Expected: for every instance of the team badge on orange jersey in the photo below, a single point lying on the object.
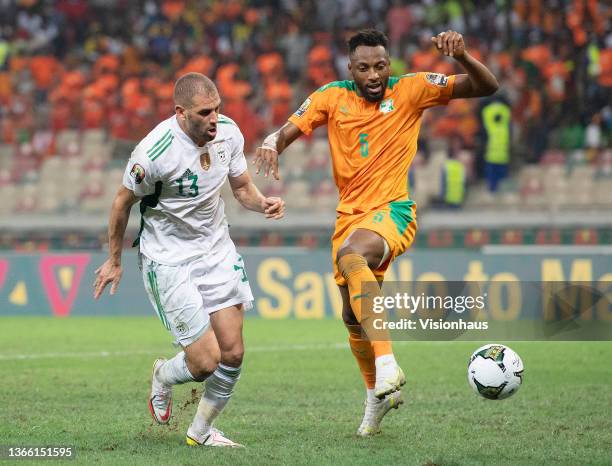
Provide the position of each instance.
(386, 106)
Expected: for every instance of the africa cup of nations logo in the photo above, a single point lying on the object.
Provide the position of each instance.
(138, 173)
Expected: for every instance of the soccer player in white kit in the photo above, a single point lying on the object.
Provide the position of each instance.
(193, 275)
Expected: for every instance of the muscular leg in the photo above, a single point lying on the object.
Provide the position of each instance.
(360, 346)
(362, 252)
(227, 327)
(195, 363)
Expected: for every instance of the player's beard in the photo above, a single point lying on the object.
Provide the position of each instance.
(374, 98)
(199, 132)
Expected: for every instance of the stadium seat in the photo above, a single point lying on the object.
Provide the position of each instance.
(480, 197)
(68, 142)
(276, 189)
(6, 177)
(582, 172)
(298, 194)
(9, 196)
(468, 159)
(603, 193)
(553, 157)
(94, 137)
(511, 200)
(296, 150)
(27, 200)
(6, 155)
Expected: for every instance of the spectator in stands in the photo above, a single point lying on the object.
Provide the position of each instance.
(89, 64)
(453, 183)
(496, 121)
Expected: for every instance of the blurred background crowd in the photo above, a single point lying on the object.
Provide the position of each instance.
(82, 81)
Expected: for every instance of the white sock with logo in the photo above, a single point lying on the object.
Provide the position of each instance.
(174, 371)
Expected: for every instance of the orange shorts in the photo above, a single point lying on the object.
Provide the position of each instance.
(395, 222)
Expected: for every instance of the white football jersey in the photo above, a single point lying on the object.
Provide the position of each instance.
(182, 211)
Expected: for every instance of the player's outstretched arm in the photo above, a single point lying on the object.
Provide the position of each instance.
(266, 156)
(251, 198)
(479, 81)
(110, 271)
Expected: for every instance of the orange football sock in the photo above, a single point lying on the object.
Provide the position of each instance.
(362, 350)
(354, 268)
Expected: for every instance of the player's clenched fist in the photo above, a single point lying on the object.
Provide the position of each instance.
(450, 43)
(274, 207)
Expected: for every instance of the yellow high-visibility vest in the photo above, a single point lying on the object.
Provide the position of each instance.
(455, 182)
(496, 117)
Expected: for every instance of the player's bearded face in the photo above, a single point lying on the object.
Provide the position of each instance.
(370, 69)
(201, 119)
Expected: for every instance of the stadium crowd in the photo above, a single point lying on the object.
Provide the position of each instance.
(111, 64)
(106, 68)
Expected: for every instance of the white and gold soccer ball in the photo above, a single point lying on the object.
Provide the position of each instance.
(495, 371)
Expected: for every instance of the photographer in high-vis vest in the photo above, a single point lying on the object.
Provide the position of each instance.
(496, 119)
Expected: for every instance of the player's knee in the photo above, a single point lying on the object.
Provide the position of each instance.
(349, 264)
(368, 258)
(204, 366)
(233, 357)
(344, 250)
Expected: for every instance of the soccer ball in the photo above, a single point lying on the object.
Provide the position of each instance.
(495, 371)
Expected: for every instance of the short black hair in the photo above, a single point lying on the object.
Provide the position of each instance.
(190, 84)
(369, 38)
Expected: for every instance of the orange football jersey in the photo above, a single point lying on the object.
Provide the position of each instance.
(372, 144)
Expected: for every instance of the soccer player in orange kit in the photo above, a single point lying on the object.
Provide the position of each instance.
(373, 124)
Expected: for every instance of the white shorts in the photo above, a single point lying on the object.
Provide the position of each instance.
(184, 295)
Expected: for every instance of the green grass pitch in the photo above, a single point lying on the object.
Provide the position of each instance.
(84, 382)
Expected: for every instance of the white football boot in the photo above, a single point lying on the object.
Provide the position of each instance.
(389, 378)
(375, 411)
(213, 438)
(160, 401)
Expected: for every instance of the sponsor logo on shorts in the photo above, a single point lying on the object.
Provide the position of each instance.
(138, 173)
(300, 111)
(437, 79)
(181, 328)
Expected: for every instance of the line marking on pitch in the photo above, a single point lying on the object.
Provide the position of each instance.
(249, 349)
(106, 354)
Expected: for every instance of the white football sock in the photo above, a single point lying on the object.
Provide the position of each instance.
(219, 388)
(370, 397)
(385, 365)
(174, 371)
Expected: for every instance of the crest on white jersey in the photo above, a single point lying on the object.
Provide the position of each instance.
(205, 161)
(222, 154)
